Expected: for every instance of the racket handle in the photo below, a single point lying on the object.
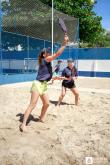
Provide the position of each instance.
(65, 33)
(66, 38)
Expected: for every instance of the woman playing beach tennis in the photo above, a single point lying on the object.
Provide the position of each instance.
(39, 86)
(69, 72)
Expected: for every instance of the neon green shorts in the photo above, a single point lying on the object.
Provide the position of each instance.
(40, 87)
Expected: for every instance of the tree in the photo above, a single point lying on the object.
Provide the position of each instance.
(90, 24)
(105, 40)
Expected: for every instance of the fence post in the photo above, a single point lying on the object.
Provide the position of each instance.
(44, 43)
(0, 37)
(78, 41)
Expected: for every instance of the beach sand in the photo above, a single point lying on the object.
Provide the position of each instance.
(69, 133)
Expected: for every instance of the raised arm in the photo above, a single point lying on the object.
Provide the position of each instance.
(59, 52)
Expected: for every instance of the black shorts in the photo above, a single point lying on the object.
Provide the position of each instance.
(69, 84)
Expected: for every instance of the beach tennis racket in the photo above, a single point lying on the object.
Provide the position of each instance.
(62, 25)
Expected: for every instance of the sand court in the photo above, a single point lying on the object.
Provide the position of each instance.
(69, 133)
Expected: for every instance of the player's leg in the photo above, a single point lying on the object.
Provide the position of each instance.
(33, 102)
(45, 101)
(76, 94)
(63, 92)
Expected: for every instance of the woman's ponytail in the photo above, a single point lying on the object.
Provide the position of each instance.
(40, 57)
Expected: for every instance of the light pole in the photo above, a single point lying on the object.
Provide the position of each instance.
(52, 26)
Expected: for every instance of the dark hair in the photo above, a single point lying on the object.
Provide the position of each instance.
(40, 57)
(59, 61)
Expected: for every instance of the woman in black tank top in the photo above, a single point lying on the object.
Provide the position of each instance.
(69, 72)
(39, 86)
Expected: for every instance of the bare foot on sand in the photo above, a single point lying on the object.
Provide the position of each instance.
(22, 128)
(40, 120)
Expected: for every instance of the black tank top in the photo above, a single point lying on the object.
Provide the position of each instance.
(44, 71)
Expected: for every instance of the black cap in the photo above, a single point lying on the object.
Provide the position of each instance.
(70, 60)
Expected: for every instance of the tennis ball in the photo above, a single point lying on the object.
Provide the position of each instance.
(92, 1)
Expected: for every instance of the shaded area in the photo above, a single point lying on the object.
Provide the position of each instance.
(62, 103)
(31, 118)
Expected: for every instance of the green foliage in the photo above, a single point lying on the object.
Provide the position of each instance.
(105, 40)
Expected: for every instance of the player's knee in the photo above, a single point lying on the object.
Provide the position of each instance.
(77, 94)
(62, 95)
(46, 105)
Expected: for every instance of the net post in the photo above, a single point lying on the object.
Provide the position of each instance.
(52, 25)
(44, 43)
(78, 48)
